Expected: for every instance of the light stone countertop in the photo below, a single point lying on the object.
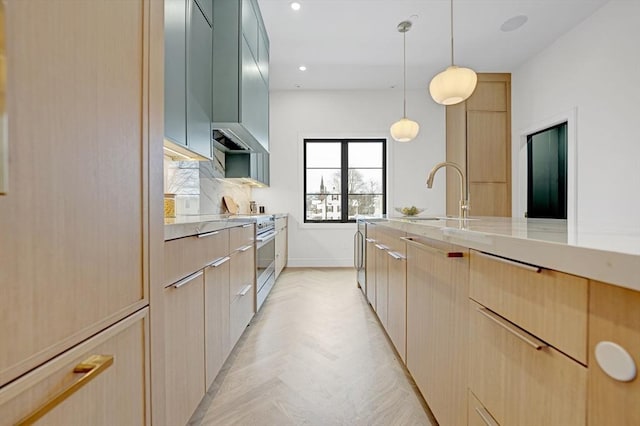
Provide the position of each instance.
(189, 225)
(608, 255)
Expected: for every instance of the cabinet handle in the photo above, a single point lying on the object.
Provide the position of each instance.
(516, 331)
(486, 417)
(432, 249)
(90, 367)
(245, 248)
(219, 262)
(356, 260)
(187, 280)
(382, 247)
(525, 266)
(247, 225)
(396, 255)
(370, 240)
(245, 290)
(208, 234)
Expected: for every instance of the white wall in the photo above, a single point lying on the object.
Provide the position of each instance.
(295, 115)
(594, 69)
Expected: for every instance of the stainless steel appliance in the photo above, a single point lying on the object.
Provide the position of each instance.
(359, 256)
(265, 256)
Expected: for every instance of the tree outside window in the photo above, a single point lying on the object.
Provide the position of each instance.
(344, 178)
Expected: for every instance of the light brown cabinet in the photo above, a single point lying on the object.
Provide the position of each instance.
(370, 262)
(117, 394)
(216, 317)
(437, 326)
(397, 291)
(382, 279)
(282, 248)
(519, 378)
(614, 316)
(479, 140)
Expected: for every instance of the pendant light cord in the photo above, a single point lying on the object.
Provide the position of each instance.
(451, 32)
(404, 81)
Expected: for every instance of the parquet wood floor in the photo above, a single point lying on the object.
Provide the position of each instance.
(314, 355)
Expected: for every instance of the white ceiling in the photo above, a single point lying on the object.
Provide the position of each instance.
(354, 44)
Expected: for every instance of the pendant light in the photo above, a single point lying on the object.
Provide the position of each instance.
(455, 84)
(404, 130)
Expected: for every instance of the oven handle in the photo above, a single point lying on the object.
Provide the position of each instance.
(266, 237)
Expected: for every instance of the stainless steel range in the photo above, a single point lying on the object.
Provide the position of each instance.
(265, 256)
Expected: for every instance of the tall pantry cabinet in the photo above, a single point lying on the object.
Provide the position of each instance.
(75, 229)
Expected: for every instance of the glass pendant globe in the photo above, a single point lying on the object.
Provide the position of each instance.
(404, 130)
(453, 85)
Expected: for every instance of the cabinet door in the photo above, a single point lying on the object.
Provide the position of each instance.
(263, 55)
(250, 27)
(437, 326)
(184, 348)
(614, 316)
(72, 228)
(518, 383)
(216, 317)
(199, 95)
(397, 300)
(370, 267)
(116, 396)
(243, 292)
(281, 246)
(382, 282)
(206, 6)
(175, 70)
(254, 98)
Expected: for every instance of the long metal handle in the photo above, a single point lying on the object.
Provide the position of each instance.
(245, 290)
(245, 248)
(208, 234)
(370, 240)
(525, 266)
(434, 250)
(486, 417)
(382, 247)
(247, 225)
(187, 280)
(90, 368)
(516, 331)
(356, 260)
(219, 262)
(395, 255)
(266, 236)
(361, 248)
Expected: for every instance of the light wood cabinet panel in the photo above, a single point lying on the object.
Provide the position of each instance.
(614, 315)
(72, 257)
(116, 396)
(242, 294)
(548, 304)
(216, 319)
(241, 236)
(437, 326)
(479, 140)
(370, 265)
(478, 414)
(520, 385)
(382, 280)
(184, 348)
(487, 141)
(282, 255)
(397, 303)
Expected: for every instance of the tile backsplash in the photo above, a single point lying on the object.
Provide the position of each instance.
(199, 189)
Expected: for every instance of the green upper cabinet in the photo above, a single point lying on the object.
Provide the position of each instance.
(240, 73)
(188, 68)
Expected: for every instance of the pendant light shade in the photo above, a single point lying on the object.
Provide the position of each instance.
(404, 130)
(455, 84)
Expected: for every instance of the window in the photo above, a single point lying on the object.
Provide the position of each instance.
(547, 173)
(344, 178)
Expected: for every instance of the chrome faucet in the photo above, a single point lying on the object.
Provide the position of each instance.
(463, 211)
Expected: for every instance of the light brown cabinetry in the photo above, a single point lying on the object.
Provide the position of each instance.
(73, 221)
(242, 292)
(282, 254)
(184, 342)
(117, 394)
(478, 414)
(216, 317)
(548, 304)
(382, 279)
(614, 316)
(370, 265)
(397, 291)
(521, 380)
(437, 325)
(479, 140)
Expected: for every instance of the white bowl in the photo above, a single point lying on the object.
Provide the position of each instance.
(401, 211)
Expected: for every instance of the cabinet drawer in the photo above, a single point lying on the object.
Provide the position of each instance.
(478, 414)
(241, 236)
(185, 256)
(519, 384)
(115, 396)
(548, 304)
(281, 223)
(242, 273)
(241, 312)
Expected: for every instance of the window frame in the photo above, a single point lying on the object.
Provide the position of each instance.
(344, 176)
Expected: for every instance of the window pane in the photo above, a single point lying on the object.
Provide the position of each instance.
(323, 181)
(365, 181)
(323, 207)
(323, 154)
(369, 205)
(365, 154)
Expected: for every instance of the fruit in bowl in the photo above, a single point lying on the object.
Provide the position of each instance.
(409, 211)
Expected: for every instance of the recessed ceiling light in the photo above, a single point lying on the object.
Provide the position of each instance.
(513, 23)
(295, 5)
(297, 86)
(302, 68)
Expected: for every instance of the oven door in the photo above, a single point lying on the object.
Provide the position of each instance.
(265, 258)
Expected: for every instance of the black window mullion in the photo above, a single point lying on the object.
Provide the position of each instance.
(344, 190)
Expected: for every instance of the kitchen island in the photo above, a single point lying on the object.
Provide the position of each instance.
(550, 313)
